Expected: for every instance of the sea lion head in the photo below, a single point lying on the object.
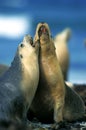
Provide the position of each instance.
(43, 33)
(27, 47)
(27, 52)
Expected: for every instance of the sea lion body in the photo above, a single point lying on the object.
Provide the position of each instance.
(52, 95)
(3, 69)
(19, 83)
(62, 51)
(51, 91)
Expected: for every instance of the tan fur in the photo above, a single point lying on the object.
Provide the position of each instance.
(51, 85)
(53, 100)
(62, 52)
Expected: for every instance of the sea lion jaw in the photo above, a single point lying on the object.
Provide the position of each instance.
(27, 47)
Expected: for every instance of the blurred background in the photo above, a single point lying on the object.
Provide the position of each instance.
(20, 17)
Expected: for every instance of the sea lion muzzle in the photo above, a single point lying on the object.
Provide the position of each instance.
(42, 30)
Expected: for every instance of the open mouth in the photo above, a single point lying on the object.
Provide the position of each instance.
(43, 30)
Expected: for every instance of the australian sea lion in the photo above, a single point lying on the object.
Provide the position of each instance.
(19, 83)
(62, 51)
(54, 101)
(80, 89)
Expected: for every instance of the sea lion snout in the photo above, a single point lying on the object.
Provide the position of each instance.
(42, 30)
(28, 39)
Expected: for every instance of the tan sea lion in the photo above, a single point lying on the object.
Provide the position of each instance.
(19, 83)
(54, 101)
(62, 51)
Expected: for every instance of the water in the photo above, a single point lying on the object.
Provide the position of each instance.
(58, 15)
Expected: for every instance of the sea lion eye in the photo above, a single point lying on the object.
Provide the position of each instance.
(21, 56)
(22, 45)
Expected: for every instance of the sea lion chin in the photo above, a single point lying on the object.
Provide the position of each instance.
(19, 83)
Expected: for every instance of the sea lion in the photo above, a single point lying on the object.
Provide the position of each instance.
(19, 83)
(62, 51)
(80, 89)
(3, 69)
(53, 101)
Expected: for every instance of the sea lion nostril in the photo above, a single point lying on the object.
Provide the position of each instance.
(22, 45)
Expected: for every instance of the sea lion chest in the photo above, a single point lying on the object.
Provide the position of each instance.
(47, 87)
(48, 71)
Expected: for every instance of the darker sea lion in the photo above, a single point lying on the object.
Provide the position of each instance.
(19, 83)
(53, 101)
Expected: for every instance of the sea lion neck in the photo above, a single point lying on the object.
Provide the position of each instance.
(16, 64)
(47, 49)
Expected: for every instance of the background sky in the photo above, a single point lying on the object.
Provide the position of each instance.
(20, 17)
